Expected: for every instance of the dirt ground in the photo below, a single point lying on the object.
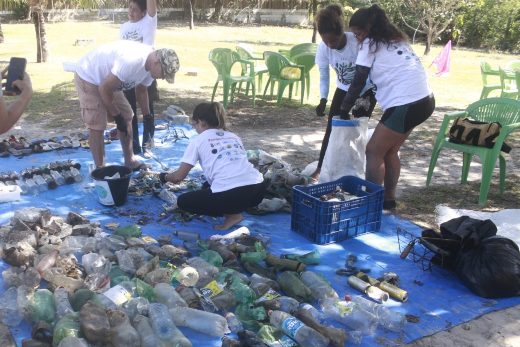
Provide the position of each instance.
(295, 134)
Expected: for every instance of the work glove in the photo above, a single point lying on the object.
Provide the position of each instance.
(320, 109)
(162, 177)
(344, 114)
(121, 124)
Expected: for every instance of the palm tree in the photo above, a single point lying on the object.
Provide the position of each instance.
(43, 53)
(5, 5)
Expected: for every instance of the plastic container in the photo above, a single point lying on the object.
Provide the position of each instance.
(111, 191)
(10, 193)
(325, 222)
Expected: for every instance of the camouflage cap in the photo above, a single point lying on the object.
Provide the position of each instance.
(169, 63)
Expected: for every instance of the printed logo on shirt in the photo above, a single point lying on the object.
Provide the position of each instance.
(220, 133)
(133, 35)
(405, 50)
(124, 86)
(345, 71)
(214, 151)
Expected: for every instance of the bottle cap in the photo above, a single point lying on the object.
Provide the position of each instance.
(269, 312)
(347, 297)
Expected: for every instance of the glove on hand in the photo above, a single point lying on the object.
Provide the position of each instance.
(162, 177)
(320, 109)
(121, 124)
(344, 114)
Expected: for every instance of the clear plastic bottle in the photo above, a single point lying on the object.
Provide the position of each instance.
(33, 187)
(24, 302)
(222, 250)
(189, 296)
(122, 334)
(204, 322)
(78, 177)
(62, 302)
(9, 308)
(168, 296)
(148, 337)
(394, 321)
(206, 303)
(234, 324)
(319, 316)
(162, 322)
(266, 241)
(240, 275)
(50, 181)
(288, 304)
(187, 235)
(203, 267)
(116, 296)
(125, 262)
(295, 329)
(42, 185)
(255, 278)
(47, 262)
(319, 288)
(350, 314)
(57, 177)
(24, 187)
(90, 245)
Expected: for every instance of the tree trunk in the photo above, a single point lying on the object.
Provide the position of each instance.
(28, 14)
(1, 33)
(505, 44)
(429, 41)
(314, 29)
(192, 4)
(43, 53)
(218, 10)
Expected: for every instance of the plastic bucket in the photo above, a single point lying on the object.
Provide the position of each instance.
(111, 192)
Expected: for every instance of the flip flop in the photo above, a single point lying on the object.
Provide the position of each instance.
(54, 139)
(4, 154)
(74, 140)
(37, 148)
(15, 152)
(108, 141)
(55, 145)
(45, 147)
(24, 142)
(84, 143)
(141, 166)
(82, 136)
(113, 135)
(66, 143)
(15, 143)
(26, 151)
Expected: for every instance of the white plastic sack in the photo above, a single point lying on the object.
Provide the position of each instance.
(345, 154)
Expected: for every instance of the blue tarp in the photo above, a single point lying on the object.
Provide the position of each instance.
(439, 301)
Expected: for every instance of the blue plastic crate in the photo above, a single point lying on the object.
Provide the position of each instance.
(331, 221)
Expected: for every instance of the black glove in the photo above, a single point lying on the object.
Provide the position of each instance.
(162, 177)
(320, 109)
(121, 124)
(344, 114)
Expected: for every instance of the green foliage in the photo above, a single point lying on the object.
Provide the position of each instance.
(20, 9)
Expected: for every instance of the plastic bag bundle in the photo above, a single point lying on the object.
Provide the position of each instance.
(491, 269)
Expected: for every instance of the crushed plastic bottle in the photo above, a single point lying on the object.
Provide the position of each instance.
(122, 334)
(161, 320)
(296, 330)
(394, 321)
(350, 314)
(201, 321)
(8, 308)
(311, 258)
(62, 302)
(319, 288)
(148, 337)
(168, 296)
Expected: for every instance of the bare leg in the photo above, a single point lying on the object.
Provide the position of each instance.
(126, 144)
(231, 219)
(383, 164)
(97, 146)
(316, 173)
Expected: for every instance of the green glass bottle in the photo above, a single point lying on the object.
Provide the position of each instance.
(311, 258)
(290, 283)
(45, 169)
(145, 290)
(45, 310)
(128, 231)
(212, 257)
(69, 325)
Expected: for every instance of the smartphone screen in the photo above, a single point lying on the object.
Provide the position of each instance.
(15, 72)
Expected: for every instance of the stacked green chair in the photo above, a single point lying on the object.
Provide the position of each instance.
(246, 52)
(485, 71)
(503, 110)
(509, 89)
(304, 54)
(224, 59)
(286, 74)
(512, 65)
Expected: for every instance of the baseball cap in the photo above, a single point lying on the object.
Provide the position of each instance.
(169, 63)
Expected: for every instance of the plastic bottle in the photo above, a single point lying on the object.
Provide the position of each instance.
(161, 320)
(71, 341)
(95, 323)
(350, 314)
(188, 276)
(336, 336)
(243, 293)
(319, 316)
(204, 322)
(78, 177)
(9, 308)
(238, 248)
(58, 276)
(32, 277)
(67, 326)
(212, 257)
(125, 262)
(188, 296)
(206, 303)
(203, 267)
(62, 303)
(44, 307)
(42, 332)
(288, 304)
(225, 300)
(50, 181)
(47, 262)
(45, 169)
(90, 245)
(122, 334)
(232, 235)
(74, 163)
(148, 337)
(222, 250)
(296, 330)
(240, 275)
(291, 285)
(33, 187)
(249, 339)
(42, 185)
(168, 296)
(57, 177)
(319, 288)
(116, 296)
(253, 257)
(255, 278)
(259, 288)
(24, 187)
(229, 342)
(234, 324)
(272, 336)
(311, 258)
(187, 235)
(67, 176)
(394, 321)
(266, 241)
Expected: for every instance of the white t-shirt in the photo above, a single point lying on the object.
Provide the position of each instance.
(124, 59)
(223, 159)
(142, 31)
(343, 62)
(397, 73)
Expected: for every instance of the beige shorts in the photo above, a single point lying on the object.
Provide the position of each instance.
(93, 110)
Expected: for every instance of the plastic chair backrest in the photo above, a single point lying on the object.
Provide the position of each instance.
(503, 78)
(517, 75)
(307, 60)
(512, 65)
(503, 110)
(303, 48)
(244, 54)
(275, 62)
(246, 47)
(223, 59)
(485, 68)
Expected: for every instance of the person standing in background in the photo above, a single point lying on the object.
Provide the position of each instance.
(141, 27)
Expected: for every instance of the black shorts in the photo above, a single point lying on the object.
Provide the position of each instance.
(404, 118)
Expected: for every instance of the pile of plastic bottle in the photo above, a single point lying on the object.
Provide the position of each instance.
(80, 286)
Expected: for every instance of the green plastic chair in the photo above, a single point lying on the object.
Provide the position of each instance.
(245, 52)
(283, 72)
(503, 110)
(304, 54)
(509, 89)
(224, 59)
(512, 65)
(485, 71)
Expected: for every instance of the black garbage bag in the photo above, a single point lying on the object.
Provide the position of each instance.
(491, 269)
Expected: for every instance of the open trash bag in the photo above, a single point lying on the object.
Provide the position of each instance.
(345, 154)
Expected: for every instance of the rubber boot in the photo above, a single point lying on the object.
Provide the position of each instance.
(135, 135)
(148, 132)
